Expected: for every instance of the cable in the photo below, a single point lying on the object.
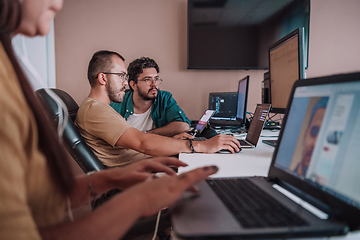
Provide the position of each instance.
(157, 225)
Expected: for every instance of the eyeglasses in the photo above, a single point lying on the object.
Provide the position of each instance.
(149, 80)
(124, 77)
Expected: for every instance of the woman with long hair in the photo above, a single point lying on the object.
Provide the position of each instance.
(36, 183)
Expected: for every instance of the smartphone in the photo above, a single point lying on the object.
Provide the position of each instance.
(203, 121)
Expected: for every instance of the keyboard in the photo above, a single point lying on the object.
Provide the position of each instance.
(244, 143)
(251, 206)
(199, 139)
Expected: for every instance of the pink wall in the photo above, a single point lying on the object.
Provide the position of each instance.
(334, 37)
(157, 29)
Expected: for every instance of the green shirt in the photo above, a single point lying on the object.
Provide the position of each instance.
(164, 110)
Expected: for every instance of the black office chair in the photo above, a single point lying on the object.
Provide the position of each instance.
(72, 138)
(88, 161)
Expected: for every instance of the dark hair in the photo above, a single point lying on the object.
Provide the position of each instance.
(10, 16)
(136, 67)
(100, 62)
(49, 142)
(321, 103)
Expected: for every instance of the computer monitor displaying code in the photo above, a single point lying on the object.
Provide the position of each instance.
(286, 64)
(242, 99)
(225, 106)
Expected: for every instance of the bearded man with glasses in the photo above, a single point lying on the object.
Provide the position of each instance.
(146, 107)
(111, 137)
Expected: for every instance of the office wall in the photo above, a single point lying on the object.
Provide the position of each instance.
(334, 37)
(157, 29)
(136, 28)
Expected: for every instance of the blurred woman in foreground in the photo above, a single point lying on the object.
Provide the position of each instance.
(36, 183)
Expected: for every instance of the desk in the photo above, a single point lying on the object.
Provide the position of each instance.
(249, 162)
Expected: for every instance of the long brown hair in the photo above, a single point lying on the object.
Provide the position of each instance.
(49, 142)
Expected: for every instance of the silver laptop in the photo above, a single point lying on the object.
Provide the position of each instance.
(256, 126)
(316, 160)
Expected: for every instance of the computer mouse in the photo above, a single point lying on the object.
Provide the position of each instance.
(224, 151)
(228, 151)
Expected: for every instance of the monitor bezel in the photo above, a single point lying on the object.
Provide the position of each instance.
(300, 33)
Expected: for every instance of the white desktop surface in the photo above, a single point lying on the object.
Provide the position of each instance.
(249, 162)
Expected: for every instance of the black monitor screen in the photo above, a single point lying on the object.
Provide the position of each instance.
(242, 99)
(224, 104)
(286, 66)
(236, 34)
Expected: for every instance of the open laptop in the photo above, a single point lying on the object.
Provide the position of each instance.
(256, 126)
(316, 159)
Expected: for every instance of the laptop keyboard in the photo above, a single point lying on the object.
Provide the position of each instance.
(244, 143)
(251, 206)
(200, 139)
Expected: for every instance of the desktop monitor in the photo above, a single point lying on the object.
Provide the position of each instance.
(242, 99)
(286, 65)
(225, 106)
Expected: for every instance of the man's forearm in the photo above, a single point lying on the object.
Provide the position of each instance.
(152, 144)
(171, 129)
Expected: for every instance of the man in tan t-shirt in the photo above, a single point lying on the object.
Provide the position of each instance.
(112, 139)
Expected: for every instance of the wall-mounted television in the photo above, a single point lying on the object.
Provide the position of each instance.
(236, 34)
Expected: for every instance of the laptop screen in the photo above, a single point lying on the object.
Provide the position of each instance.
(321, 139)
(257, 123)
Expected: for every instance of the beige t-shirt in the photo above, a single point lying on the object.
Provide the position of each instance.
(29, 197)
(102, 126)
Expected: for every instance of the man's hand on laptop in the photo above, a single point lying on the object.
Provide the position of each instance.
(217, 143)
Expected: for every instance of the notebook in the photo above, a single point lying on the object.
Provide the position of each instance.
(256, 126)
(316, 160)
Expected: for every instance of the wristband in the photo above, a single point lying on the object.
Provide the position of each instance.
(191, 146)
(91, 186)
